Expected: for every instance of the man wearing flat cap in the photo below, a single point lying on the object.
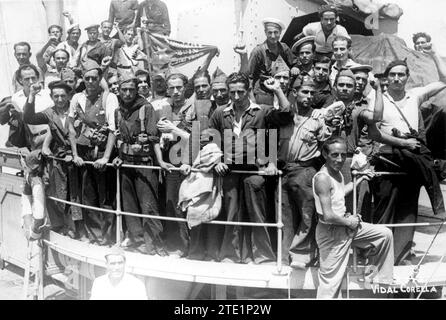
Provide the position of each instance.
(92, 114)
(405, 136)
(262, 57)
(304, 51)
(116, 284)
(139, 144)
(298, 153)
(63, 175)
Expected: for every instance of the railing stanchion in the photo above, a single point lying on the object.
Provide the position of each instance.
(118, 208)
(279, 224)
(355, 211)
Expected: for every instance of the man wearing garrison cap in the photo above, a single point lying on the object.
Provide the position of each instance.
(219, 88)
(298, 153)
(404, 127)
(262, 57)
(138, 142)
(325, 30)
(92, 114)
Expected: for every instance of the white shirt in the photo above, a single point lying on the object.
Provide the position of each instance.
(129, 288)
(323, 44)
(337, 194)
(110, 106)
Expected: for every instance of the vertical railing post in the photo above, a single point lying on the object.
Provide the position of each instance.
(279, 225)
(355, 211)
(118, 207)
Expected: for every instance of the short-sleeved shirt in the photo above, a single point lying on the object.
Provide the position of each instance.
(323, 44)
(111, 105)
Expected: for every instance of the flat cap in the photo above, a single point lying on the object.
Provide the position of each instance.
(361, 67)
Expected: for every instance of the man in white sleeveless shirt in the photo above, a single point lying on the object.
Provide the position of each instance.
(338, 230)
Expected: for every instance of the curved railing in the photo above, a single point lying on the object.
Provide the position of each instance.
(279, 224)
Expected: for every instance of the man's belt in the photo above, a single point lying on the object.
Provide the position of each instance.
(41, 133)
(120, 66)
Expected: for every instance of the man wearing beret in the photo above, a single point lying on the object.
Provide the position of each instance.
(92, 114)
(263, 55)
(299, 150)
(403, 127)
(63, 175)
(325, 30)
(138, 142)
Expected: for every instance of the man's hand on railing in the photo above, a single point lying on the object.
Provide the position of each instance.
(117, 162)
(100, 164)
(270, 169)
(221, 169)
(185, 169)
(77, 161)
(166, 166)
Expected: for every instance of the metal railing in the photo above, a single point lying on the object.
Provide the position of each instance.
(279, 224)
(119, 213)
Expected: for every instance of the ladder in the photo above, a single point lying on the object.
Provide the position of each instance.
(36, 287)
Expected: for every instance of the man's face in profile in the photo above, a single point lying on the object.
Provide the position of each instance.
(115, 266)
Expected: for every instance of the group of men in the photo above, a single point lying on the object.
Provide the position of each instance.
(305, 112)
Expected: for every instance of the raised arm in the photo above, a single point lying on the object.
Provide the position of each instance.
(29, 111)
(433, 88)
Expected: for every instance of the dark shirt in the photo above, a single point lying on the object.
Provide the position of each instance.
(254, 118)
(354, 128)
(157, 14)
(59, 131)
(321, 96)
(261, 60)
(123, 11)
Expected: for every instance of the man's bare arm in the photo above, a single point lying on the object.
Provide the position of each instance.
(323, 191)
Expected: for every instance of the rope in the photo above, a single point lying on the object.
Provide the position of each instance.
(432, 275)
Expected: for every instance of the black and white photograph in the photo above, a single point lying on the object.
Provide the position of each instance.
(221, 155)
